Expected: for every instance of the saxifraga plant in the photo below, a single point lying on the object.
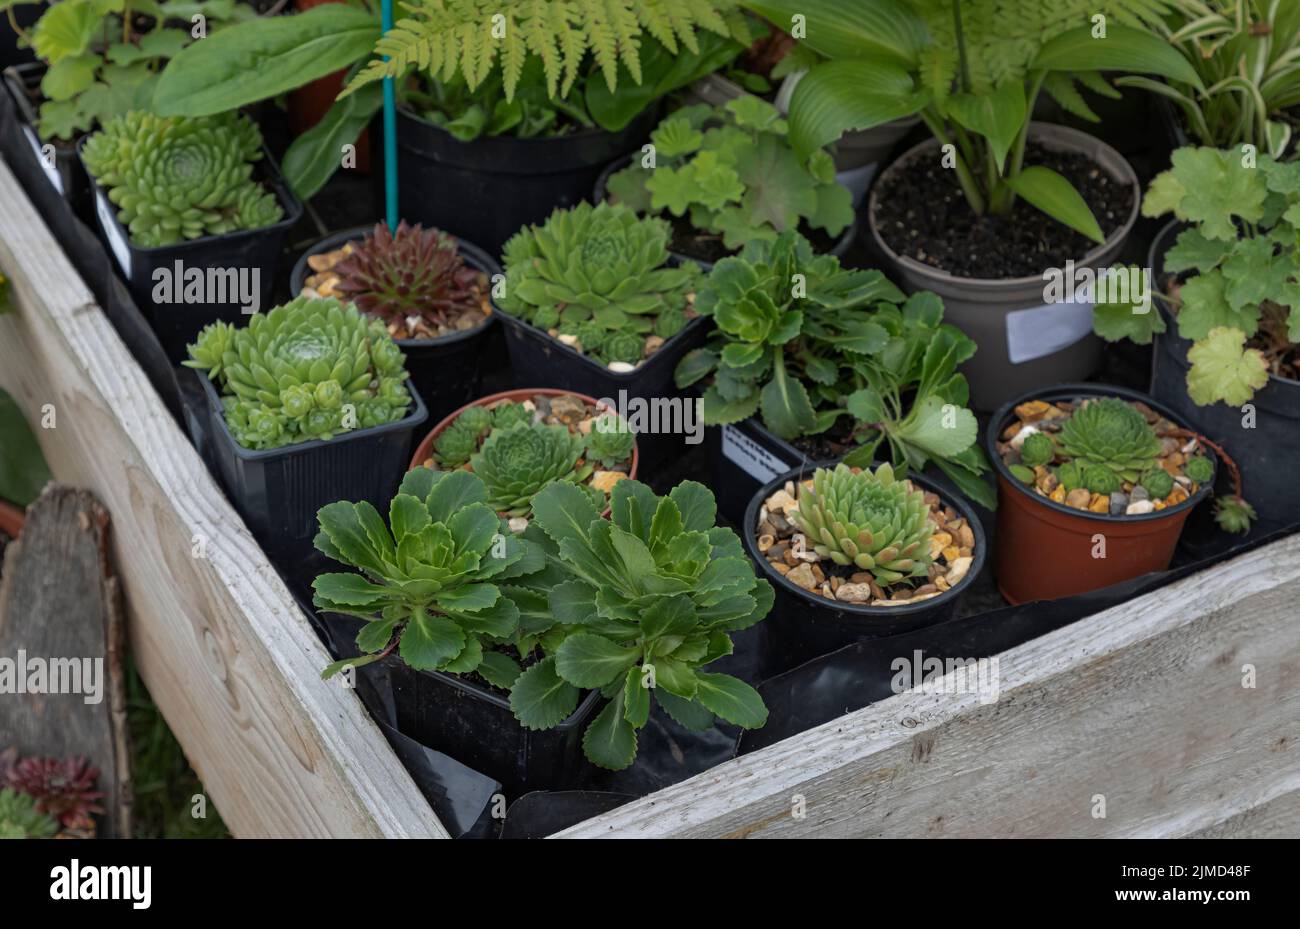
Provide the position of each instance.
(310, 369)
(179, 178)
(600, 270)
(647, 600)
(610, 442)
(1111, 433)
(430, 576)
(872, 521)
(411, 272)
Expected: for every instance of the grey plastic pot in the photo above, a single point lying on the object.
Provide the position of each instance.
(1023, 344)
(1263, 437)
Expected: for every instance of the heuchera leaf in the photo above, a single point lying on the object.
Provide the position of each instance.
(1223, 369)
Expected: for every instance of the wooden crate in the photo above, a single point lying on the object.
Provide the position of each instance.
(1142, 705)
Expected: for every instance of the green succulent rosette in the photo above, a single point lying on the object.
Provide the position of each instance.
(179, 178)
(517, 462)
(1110, 432)
(310, 369)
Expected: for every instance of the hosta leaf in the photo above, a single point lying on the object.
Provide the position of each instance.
(1223, 370)
(997, 116)
(1050, 192)
(732, 699)
(540, 698)
(610, 740)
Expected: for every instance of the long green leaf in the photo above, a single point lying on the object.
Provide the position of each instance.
(23, 471)
(840, 96)
(881, 30)
(1123, 49)
(1054, 195)
(315, 155)
(256, 60)
(998, 116)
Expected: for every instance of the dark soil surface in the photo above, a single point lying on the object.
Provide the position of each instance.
(706, 246)
(923, 215)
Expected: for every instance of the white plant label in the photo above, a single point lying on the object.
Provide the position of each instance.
(113, 232)
(753, 458)
(51, 171)
(1044, 330)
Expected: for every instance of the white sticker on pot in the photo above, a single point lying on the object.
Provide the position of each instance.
(756, 461)
(113, 232)
(48, 165)
(1044, 330)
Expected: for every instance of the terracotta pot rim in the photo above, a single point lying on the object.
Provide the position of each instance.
(1071, 139)
(465, 248)
(12, 519)
(1074, 392)
(956, 501)
(423, 450)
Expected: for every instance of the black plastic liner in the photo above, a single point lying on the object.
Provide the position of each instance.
(444, 371)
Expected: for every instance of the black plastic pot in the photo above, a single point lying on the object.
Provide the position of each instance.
(254, 250)
(1267, 453)
(453, 714)
(64, 173)
(803, 626)
(536, 358)
(487, 189)
(743, 457)
(598, 194)
(278, 491)
(444, 371)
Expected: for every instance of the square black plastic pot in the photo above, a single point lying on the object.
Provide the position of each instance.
(536, 359)
(445, 371)
(177, 323)
(278, 491)
(803, 626)
(65, 174)
(453, 714)
(743, 457)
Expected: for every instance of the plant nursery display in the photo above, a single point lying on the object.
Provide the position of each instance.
(1094, 486)
(600, 281)
(1244, 55)
(519, 446)
(727, 176)
(175, 178)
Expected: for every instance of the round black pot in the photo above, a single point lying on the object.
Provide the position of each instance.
(598, 194)
(176, 322)
(487, 189)
(278, 491)
(803, 626)
(445, 372)
(1267, 452)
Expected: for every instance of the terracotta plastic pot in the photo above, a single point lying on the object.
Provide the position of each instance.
(803, 626)
(1024, 343)
(12, 519)
(1047, 550)
(310, 102)
(425, 449)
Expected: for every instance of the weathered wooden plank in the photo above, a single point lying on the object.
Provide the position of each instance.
(225, 652)
(60, 605)
(1142, 705)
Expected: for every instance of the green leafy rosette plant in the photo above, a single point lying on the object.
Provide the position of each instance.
(1111, 433)
(174, 179)
(103, 57)
(517, 462)
(731, 171)
(973, 73)
(600, 274)
(1240, 300)
(648, 600)
(867, 519)
(310, 369)
(610, 441)
(1245, 55)
(432, 582)
(802, 342)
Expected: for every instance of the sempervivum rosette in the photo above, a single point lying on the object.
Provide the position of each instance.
(873, 521)
(517, 462)
(1109, 432)
(309, 369)
(176, 178)
(414, 272)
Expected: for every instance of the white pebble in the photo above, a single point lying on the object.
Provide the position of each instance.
(1138, 507)
(621, 367)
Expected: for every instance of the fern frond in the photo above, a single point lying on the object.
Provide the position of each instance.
(442, 37)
